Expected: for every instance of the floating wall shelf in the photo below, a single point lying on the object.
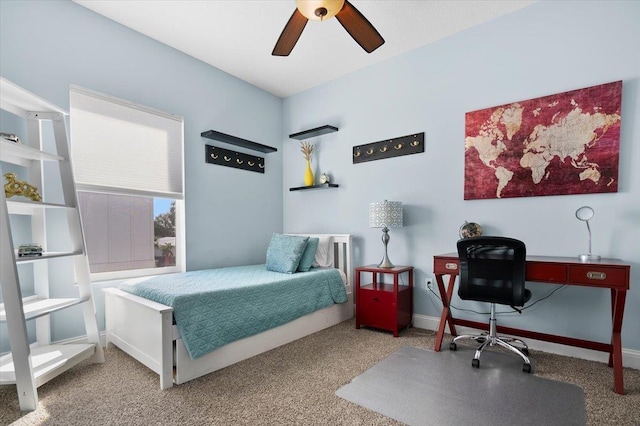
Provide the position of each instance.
(322, 186)
(312, 133)
(233, 140)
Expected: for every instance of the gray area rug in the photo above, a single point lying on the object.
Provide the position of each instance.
(422, 387)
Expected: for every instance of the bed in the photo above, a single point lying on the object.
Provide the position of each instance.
(156, 340)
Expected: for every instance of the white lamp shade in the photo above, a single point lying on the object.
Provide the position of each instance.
(385, 214)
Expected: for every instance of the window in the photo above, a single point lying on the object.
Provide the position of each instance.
(128, 162)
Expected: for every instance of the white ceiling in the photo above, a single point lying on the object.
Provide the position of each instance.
(237, 36)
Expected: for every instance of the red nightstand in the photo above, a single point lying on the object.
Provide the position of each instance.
(381, 305)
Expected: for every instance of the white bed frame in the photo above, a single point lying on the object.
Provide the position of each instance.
(144, 329)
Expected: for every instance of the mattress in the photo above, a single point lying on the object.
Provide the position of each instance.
(218, 306)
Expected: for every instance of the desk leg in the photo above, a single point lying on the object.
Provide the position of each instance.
(615, 357)
(446, 316)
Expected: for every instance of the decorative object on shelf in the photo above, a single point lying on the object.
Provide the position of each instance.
(325, 178)
(354, 22)
(405, 145)
(16, 187)
(237, 160)
(233, 140)
(585, 213)
(385, 215)
(312, 133)
(470, 229)
(10, 137)
(30, 250)
(307, 149)
(566, 143)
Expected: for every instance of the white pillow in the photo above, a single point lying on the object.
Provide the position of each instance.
(324, 254)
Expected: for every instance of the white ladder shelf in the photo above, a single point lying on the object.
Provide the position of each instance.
(30, 365)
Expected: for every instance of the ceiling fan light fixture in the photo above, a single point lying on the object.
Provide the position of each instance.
(319, 10)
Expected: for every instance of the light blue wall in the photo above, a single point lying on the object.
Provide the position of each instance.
(230, 214)
(547, 48)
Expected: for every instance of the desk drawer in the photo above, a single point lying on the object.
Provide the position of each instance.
(597, 276)
(546, 272)
(445, 266)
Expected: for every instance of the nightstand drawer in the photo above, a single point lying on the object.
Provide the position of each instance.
(376, 309)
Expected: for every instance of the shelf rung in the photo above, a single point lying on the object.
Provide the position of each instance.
(47, 361)
(24, 207)
(34, 308)
(46, 255)
(20, 154)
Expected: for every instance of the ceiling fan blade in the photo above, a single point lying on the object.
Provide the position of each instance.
(359, 28)
(290, 34)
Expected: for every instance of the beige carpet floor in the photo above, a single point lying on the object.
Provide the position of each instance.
(291, 385)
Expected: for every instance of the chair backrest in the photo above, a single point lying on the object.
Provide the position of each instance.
(492, 269)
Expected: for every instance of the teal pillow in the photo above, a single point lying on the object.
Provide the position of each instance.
(308, 254)
(284, 253)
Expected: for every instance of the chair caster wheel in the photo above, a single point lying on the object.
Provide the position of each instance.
(475, 363)
(526, 368)
(453, 346)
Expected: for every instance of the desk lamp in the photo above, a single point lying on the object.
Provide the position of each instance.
(385, 215)
(585, 213)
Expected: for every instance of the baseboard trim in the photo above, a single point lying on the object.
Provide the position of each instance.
(630, 357)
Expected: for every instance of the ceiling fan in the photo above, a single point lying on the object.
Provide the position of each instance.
(349, 17)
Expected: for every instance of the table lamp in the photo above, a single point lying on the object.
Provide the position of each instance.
(585, 213)
(385, 215)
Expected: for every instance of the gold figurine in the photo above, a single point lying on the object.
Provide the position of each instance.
(17, 187)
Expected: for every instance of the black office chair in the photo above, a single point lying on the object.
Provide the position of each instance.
(492, 269)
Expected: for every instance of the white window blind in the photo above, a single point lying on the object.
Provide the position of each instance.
(121, 147)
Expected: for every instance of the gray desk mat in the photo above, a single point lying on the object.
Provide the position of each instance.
(422, 387)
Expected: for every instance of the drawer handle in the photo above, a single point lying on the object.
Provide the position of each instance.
(596, 275)
(451, 266)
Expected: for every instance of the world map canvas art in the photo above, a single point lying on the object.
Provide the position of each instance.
(567, 143)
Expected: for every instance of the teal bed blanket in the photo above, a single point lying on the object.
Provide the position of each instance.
(218, 306)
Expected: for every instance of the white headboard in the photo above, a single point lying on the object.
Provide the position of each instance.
(342, 254)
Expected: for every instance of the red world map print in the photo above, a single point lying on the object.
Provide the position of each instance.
(567, 143)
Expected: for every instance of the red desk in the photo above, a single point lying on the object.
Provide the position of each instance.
(612, 274)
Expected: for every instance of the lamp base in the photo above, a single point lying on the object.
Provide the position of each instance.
(588, 257)
(386, 263)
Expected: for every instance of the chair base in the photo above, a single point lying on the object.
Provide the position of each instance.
(492, 339)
